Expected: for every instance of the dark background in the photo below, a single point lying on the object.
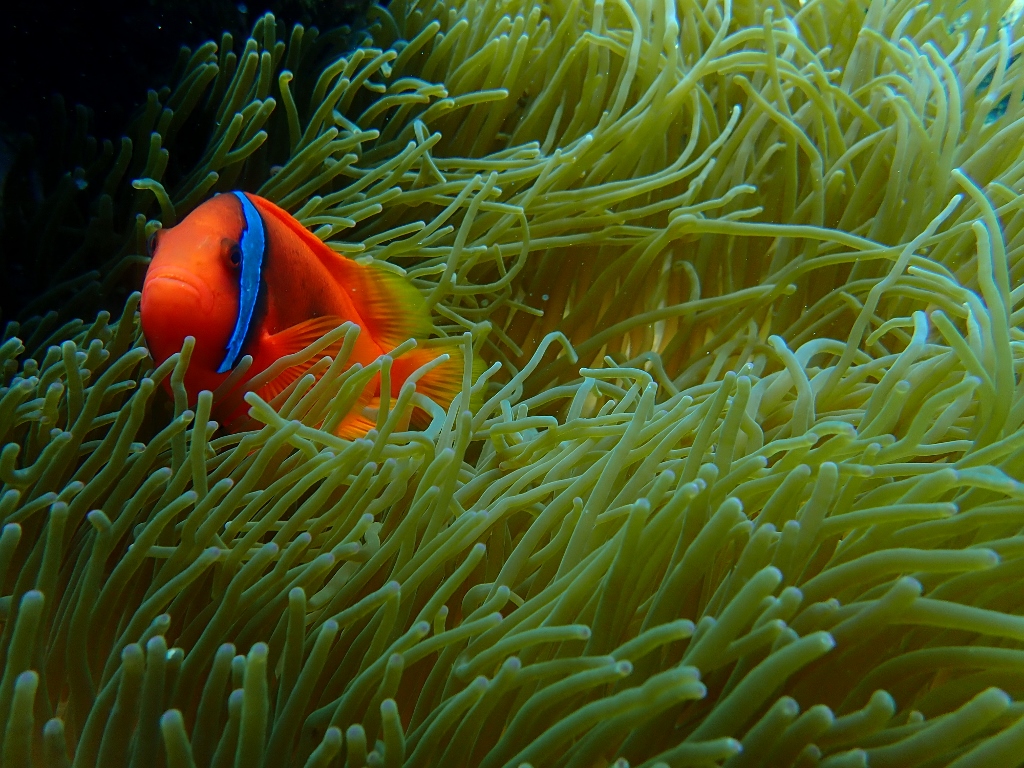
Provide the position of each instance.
(105, 54)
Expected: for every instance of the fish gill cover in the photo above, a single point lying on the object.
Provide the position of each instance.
(745, 489)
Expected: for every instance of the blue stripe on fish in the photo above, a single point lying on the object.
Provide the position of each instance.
(253, 247)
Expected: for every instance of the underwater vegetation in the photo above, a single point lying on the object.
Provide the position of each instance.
(746, 486)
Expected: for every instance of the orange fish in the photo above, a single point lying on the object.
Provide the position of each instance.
(244, 277)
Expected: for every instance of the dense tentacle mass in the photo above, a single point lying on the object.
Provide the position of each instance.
(747, 484)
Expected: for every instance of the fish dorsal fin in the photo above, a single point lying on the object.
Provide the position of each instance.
(388, 303)
(294, 339)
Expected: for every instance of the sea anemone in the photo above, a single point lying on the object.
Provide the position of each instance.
(746, 485)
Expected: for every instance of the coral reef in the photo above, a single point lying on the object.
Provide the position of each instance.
(746, 485)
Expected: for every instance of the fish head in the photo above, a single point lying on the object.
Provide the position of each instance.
(192, 289)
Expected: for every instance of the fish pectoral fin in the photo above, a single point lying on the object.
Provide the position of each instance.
(293, 340)
(269, 391)
(296, 338)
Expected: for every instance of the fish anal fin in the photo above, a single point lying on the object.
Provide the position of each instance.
(356, 423)
(442, 384)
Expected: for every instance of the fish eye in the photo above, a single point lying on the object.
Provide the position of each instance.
(151, 243)
(231, 251)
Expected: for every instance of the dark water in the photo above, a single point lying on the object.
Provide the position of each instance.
(104, 57)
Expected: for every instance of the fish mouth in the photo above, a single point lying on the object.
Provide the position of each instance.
(179, 280)
(177, 288)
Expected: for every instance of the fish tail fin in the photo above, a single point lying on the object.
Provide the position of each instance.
(442, 383)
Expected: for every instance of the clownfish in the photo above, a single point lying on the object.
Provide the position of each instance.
(243, 277)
